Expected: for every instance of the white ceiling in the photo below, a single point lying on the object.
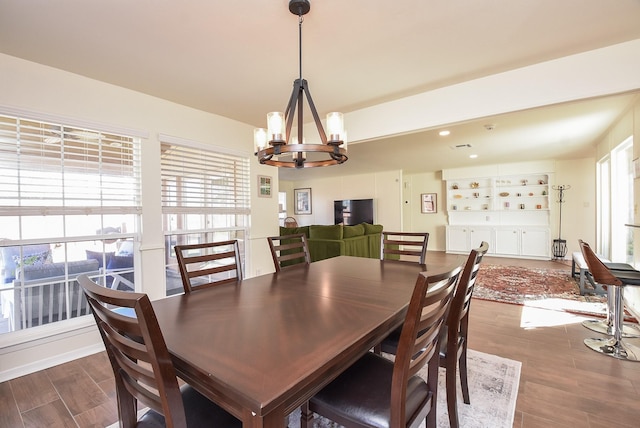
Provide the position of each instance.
(239, 59)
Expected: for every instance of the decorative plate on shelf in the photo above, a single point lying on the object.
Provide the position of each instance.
(504, 194)
(457, 196)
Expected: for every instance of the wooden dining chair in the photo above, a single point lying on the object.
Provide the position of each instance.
(375, 392)
(406, 246)
(142, 365)
(209, 264)
(289, 250)
(453, 336)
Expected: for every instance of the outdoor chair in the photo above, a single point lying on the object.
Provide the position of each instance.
(142, 365)
(209, 264)
(375, 392)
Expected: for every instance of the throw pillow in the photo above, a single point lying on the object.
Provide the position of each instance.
(37, 259)
(351, 231)
(120, 262)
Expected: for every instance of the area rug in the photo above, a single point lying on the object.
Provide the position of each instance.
(544, 288)
(493, 390)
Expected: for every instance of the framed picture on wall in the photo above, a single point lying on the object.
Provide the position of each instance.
(428, 203)
(264, 186)
(302, 201)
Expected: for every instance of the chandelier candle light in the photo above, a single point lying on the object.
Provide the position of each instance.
(274, 145)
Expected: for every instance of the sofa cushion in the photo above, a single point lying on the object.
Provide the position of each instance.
(53, 270)
(370, 229)
(294, 230)
(351, 231)
(325, 232)
(98, 255)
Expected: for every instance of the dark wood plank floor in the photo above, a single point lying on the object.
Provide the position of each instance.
(562, 384)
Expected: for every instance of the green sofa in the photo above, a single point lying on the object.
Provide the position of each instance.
(360, 240)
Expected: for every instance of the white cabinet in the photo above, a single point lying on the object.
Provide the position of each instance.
(535, 242)
(457, 239)
(507, 241)
(462, 239)
(530, 242)
(516, 241)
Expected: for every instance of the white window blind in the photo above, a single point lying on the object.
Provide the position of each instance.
(201, 181)
(48, 168)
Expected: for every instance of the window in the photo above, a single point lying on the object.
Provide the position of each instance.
(615, 203)
(69, 204)
(205, 198)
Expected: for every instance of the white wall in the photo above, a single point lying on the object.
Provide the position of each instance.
(30, 87)
(383, 187)
(413, 219)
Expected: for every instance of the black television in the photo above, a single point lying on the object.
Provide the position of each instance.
(353, 211)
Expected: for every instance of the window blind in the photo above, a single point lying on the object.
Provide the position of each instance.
(48, 168)
(201, 181)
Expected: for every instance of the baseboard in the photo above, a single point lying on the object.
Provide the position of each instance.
(46, 363)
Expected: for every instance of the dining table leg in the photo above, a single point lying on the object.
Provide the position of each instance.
(306, 416)
(274, 419)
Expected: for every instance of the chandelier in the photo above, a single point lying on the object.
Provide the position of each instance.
(277, 147)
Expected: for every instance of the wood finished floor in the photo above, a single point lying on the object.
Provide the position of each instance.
(562, 384)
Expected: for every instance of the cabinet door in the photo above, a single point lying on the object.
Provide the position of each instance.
(458, 239)
(508, 241)
(479, 234)
(535, 242)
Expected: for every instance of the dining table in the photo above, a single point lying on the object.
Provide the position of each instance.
(264, 345)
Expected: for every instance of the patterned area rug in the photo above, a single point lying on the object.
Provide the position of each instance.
(493, 389)
(543, 288)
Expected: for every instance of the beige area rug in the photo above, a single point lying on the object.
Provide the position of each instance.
(493, 389)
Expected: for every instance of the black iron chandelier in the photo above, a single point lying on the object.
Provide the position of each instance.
(277, 147)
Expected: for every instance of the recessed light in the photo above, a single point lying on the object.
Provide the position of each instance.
(444, 133)
(473, 156)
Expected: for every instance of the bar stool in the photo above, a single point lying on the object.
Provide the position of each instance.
(606, 326)
(616, 281)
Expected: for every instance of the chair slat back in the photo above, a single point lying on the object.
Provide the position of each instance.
(403, 245)
(600, 272)
(209, 264)
(289, 250)
(138, 353)
(418, 343)
(458, 318)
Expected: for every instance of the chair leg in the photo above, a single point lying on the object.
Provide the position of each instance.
(615, 347)
(462, 364)
(452, 405)
(607, 326)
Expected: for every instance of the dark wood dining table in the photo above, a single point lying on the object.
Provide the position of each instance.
(263, 346)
